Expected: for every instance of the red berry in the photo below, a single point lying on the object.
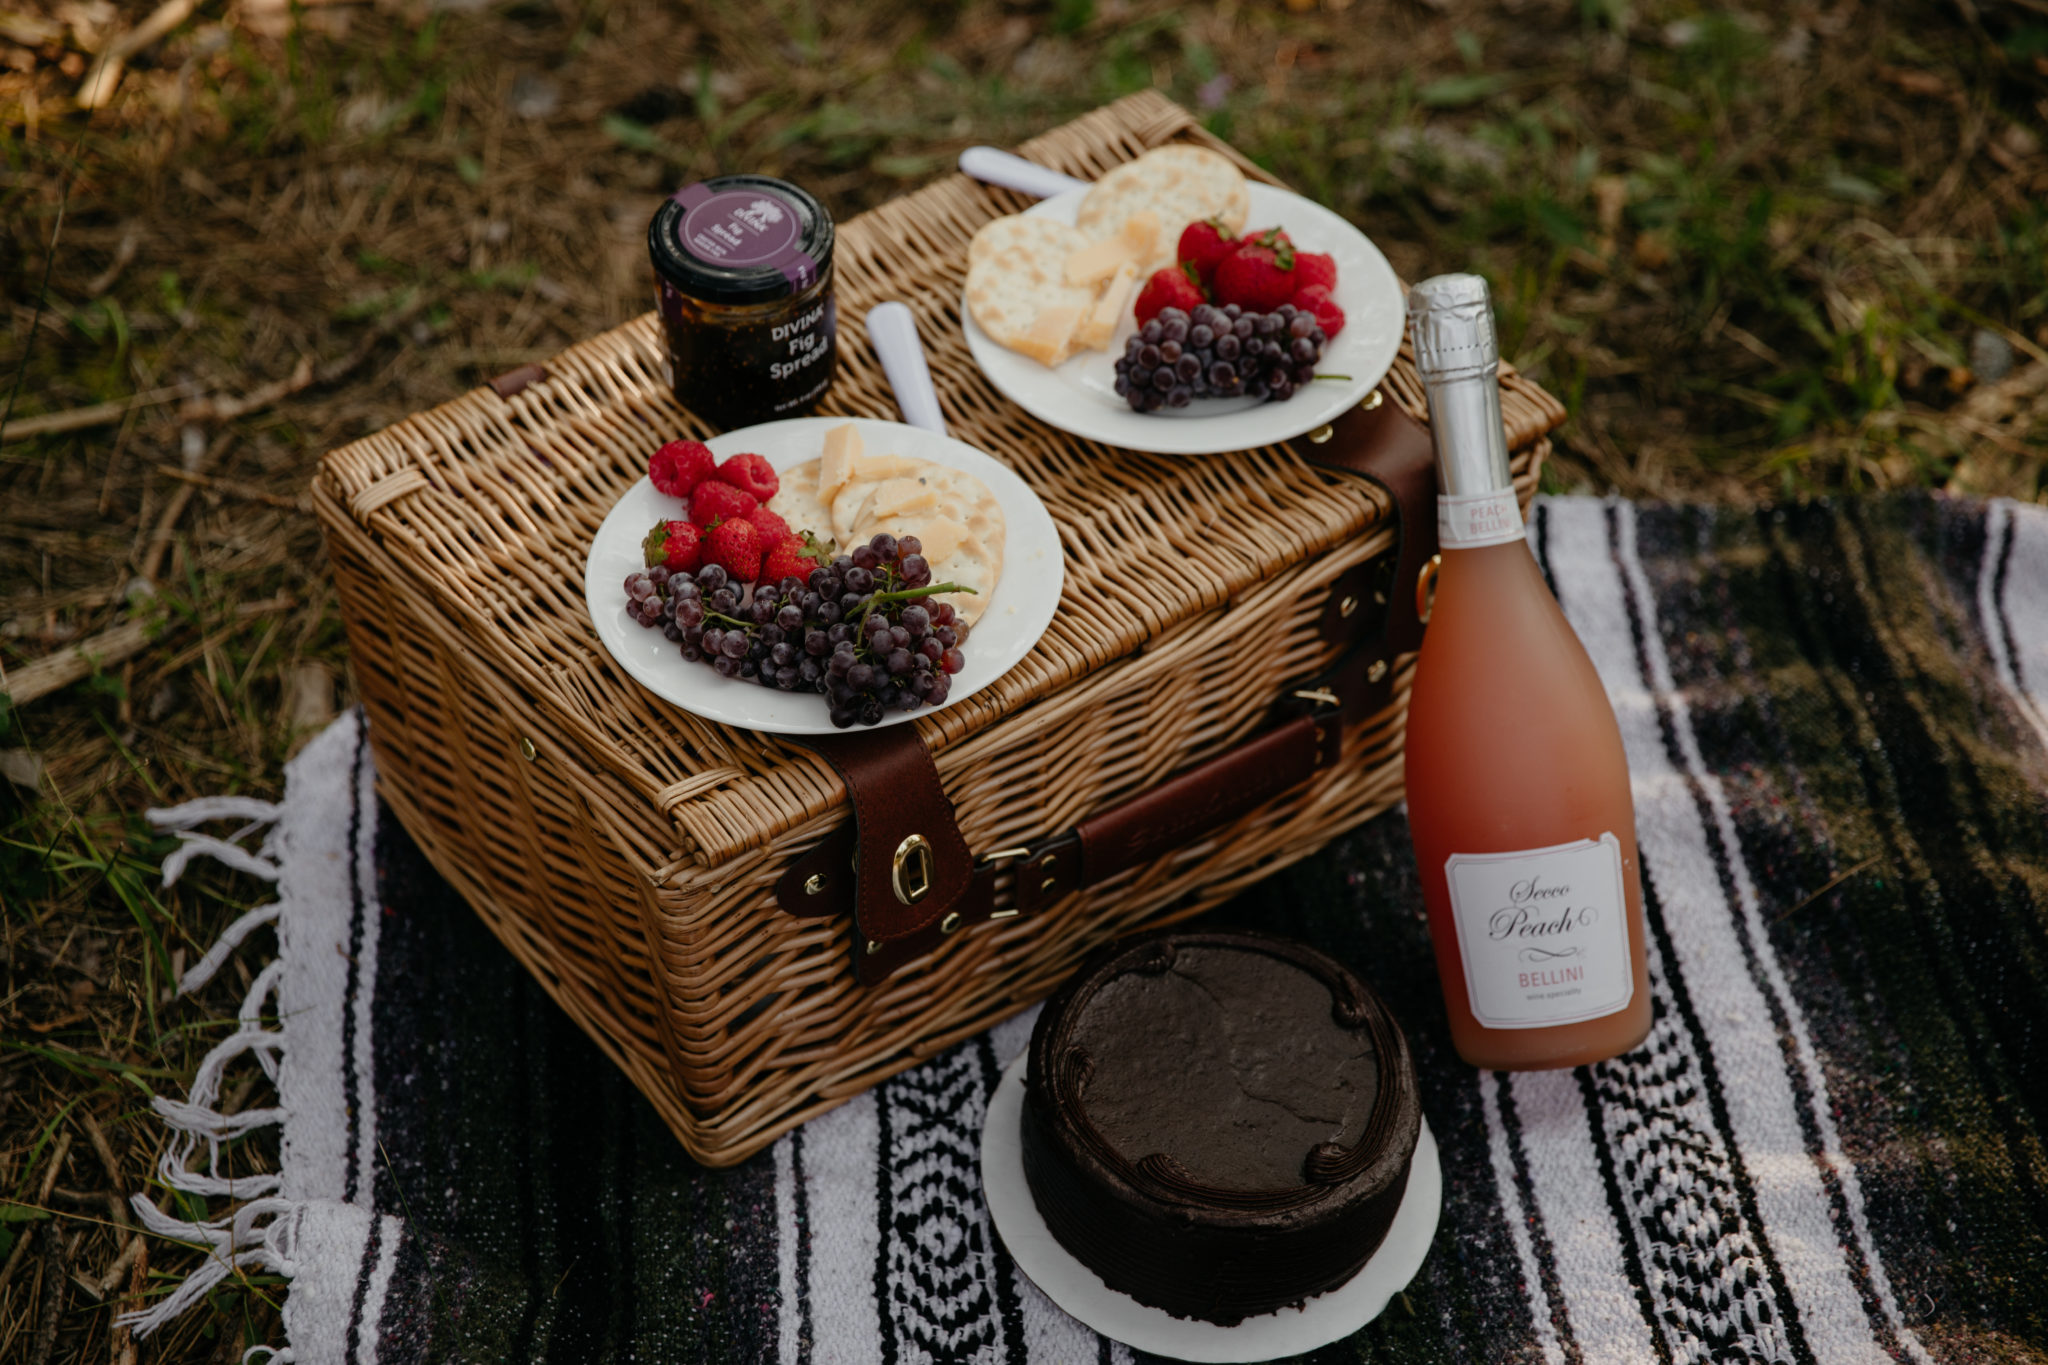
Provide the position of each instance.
(1169, 287)
(788, 557)
(734, 546)
(774, 530)
(680, 466)
(674, 545)
(750, 474)
(1316, 299)
(1202, 244)
(1259, 275)
(717, 500)
(1313, 267)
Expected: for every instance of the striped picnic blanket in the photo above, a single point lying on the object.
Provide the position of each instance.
(1831, 1148)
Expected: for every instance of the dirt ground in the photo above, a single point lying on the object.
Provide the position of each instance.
(1762, 253)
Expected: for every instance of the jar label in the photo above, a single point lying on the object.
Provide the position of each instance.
(1543, 933)
(1468, 520)
(742, 229)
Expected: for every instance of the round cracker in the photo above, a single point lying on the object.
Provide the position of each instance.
(1034, 233)
(1007, 290)
(1180, 183)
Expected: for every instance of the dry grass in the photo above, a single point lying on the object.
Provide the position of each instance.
(1760, 255)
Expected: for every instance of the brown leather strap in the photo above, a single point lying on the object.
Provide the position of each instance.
(910, 864)
(896, 792)
(1395, 451)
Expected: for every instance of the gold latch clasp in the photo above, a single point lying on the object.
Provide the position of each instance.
(913, 870)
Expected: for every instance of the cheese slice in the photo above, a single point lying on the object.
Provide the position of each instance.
(1133, 243)
(900, 497)
(1100, 324)
(1050, 332)
(940, 536)
(836, 465)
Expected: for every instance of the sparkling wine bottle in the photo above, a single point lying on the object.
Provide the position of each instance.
(1518, 790)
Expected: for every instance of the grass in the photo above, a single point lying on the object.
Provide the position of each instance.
(1761, 256)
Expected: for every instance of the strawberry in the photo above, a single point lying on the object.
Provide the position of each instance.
(680, 466)
(1170, 287)
(750, 474)
(1316, 299)
(675, 544)
(1277, 234)
(734, 546)
(717, 500)
(1202, 244)
(789, 557)
(1313, 267)
(772, 527)
(1259, 275)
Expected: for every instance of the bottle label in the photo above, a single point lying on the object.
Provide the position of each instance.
(1467, 520)
(1543, 932)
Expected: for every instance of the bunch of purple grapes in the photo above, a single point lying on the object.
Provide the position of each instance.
(859, 630)
(1214, 352)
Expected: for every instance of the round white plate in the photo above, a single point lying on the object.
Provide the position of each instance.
(1290, 1331)
(1080, 396)
(1026, 596)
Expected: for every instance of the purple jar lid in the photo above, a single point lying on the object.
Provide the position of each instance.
(741, 238)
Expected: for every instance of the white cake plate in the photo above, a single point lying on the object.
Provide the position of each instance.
(1291, 1331)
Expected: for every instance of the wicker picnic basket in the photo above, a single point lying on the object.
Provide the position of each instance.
(653, 869)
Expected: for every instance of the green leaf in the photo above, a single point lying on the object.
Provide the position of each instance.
(469, 168)
(1454, 91)
(628, 133)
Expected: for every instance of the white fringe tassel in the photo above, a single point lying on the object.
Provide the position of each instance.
(260, 1232)
(181, 819)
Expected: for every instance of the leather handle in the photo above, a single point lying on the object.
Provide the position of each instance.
(909, 865)
(896, 793)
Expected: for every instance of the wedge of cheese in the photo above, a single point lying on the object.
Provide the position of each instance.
(1134, 243)
(1051, 334)
(835, 466)
(1099, 326)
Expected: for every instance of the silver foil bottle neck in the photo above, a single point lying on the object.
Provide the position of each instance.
(1457, 356)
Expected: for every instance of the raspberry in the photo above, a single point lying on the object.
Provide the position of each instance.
(1202, 244)
(750, 474)
(1313, 267)
(788, 557)
(680, 466)
(717, 500)
(774, 530)
(674, 545)
(1259, 275)
(734, 546)
(1171, 287)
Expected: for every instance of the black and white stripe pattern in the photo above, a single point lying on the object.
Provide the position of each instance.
(2012, 605)
(1727, 1194)
(897, 1259)
(1690, 1202)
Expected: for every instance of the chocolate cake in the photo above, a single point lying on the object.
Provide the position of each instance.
(1218, 1124)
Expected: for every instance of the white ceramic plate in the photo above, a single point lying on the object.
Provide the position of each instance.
(1080, 395)
(1025, 598)
(1081, 1292)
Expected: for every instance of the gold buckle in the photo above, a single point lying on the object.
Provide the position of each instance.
(913, 870)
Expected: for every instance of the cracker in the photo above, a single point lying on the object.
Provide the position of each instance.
(1034, 232)
(1180, 183)
(1008, 290)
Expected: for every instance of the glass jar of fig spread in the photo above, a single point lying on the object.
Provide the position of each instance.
(743, 268)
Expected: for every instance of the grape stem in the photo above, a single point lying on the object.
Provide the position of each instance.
(908, 594)
(1334, 376)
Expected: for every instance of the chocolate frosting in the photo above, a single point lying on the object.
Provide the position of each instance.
(1218, 1124)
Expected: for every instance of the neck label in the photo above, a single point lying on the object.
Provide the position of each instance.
(1466, 521)
(1543, 932)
